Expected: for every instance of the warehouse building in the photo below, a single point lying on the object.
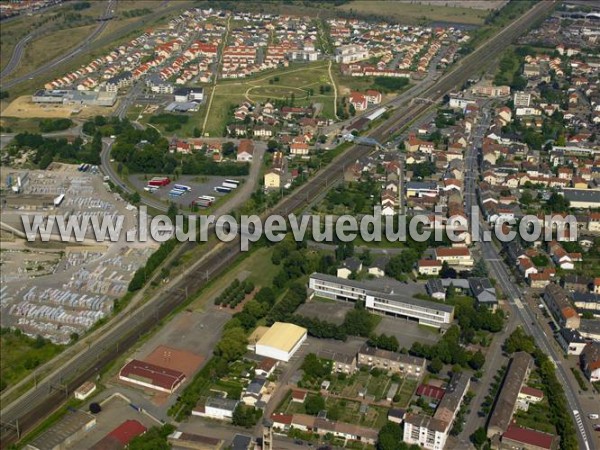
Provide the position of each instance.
(387, 301)
(151, 376)
(281, 341)
(68, 430)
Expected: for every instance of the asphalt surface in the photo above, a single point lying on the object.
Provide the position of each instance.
(20, 50)
(124, 332)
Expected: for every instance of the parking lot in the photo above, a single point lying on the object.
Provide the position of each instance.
(407, 331)
(115, 411)
(331, 311)
(199, 184)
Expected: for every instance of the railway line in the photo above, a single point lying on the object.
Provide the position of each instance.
(50, 393)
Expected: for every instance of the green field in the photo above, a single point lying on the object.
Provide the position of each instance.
(297, 80)
(405, 12)
(21, 354)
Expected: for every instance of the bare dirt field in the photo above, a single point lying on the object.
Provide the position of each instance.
(23, 108)
(176, 359)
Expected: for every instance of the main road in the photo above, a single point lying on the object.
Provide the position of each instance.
(520, 313)
(20, 50)
(124, 332)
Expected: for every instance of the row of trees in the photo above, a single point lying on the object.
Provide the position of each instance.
(234, 293)
(143, 273)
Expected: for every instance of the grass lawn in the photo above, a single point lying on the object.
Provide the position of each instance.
(261, 272)
(406, 391)
(297, 79)
(20, 355)
(17, 125)
(416, 12)
(342, 410)
(538, 417)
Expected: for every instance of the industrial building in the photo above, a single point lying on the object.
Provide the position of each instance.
(68, 430)
(74, 97)
(179, 439)
(151, 376)
(393, 302)
(281, 341)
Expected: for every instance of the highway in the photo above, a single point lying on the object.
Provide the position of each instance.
(20, 50)
(124, 332)
(520, 313)
(162, 10)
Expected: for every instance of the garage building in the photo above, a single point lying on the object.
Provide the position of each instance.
(281, 341)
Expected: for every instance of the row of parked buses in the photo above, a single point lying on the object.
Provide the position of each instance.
(227, 186)
(179, 190)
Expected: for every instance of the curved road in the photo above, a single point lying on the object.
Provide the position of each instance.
(20, 50)
(37, 403)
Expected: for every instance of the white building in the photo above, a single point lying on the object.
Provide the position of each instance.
(350, 53)
(396, 304)
(216, 408)
(281, 341)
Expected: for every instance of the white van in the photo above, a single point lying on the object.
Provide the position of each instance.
(593, 416)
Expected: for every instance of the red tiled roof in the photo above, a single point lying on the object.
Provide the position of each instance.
(455, 251)
(429, 391)
(533, 392)
(127, 431)
(298, 394)
(155, 375)
(429, 263)
(527, 436)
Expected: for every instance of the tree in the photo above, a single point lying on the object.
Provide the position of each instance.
(95, 408)
(245, 416)
(479, 437)
(477, 360)
(315, 367)
(272, 145)
(232, 345)
(153, 439)
(519, 341)
(228, 149)
(314, 404)
(436, 365)
(359, 322)
(480, 269)
(526, 197)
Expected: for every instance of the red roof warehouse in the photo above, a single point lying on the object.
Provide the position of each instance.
(118, 438)
(151, 376)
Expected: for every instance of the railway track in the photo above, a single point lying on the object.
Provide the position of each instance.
(38, 403)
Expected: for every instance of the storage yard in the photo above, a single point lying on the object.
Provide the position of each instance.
(66, 287)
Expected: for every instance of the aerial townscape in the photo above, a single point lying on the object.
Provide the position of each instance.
(137, 314)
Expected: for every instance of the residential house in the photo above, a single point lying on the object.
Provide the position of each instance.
(411, 366)
(558, 303)
(245, 150)
(589, 361)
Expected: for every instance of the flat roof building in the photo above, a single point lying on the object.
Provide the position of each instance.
(281, 341)
(379, 298)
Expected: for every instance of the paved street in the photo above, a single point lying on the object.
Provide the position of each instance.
(520, 313)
